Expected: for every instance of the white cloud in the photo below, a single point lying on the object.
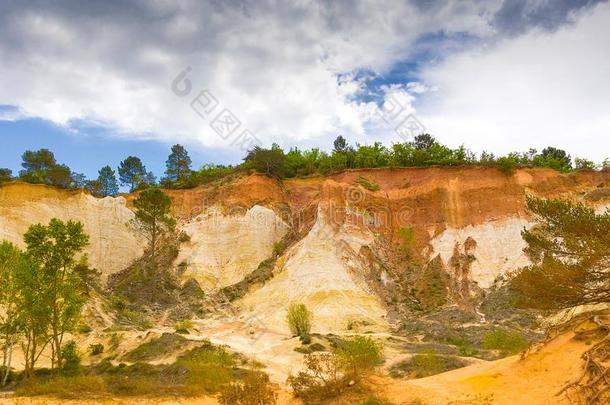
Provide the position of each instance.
(287, 70)
(536, 90)
(283, 69)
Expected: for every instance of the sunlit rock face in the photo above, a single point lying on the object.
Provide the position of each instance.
(224, 247)
(323, 272)
(112, 244)
(498, 247)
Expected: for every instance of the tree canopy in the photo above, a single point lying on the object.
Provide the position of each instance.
(178, 166)
(152, 216)
(569, 249)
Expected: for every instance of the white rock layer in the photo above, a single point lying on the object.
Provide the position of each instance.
(320, 272)
(499, 247)
(112, 245)
(224, 248)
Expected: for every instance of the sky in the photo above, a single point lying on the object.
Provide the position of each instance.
(97, 81)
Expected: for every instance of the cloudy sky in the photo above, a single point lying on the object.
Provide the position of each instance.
(98, 80)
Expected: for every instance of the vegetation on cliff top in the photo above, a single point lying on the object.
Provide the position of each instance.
(41, 167)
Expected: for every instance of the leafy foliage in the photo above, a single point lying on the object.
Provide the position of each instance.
(358, 356)
(299, 320)
(50, 282)
(178, 167)
(152, 216)
(254, 390)
(133, 173)
(506, 342)
(570, 254)
(5, 175)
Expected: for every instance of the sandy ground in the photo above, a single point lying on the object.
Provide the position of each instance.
(533, 380)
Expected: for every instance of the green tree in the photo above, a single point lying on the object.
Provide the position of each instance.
(5, 175)
(340, 145)
(10, 260)
(34, 314)
(424, 141)
(107, 181)
(269, 161)
(152, 216)
(36, 165)
(569, 249)
(584, 164)
(132, 172)
(178, 166)
(55, 251)
(41, 167)
(554, 158)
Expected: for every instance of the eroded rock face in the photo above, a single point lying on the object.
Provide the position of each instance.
(497, 249)
(112, 244)
(323, 272)
(224, 247)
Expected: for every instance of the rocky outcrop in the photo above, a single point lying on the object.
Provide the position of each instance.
(352, 233)
(112, 244)
(225, 247)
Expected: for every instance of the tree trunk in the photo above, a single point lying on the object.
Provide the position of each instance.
(7, 362)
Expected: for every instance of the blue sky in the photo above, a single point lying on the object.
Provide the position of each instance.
(89, 149)
(93, 81)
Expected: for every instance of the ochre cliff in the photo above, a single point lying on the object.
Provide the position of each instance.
(342, 237)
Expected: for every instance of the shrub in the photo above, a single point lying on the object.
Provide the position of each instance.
(183, 326)
(369, 184)
(84, 329)
(427, 364)
(506, 342)
(359, 355)
(96, 349)
(299, 320)
(506, 165)
(254, 390)
(71, 359)
(279, 247)
(209, 368)
(320, 381)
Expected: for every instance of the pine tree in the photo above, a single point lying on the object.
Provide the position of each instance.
(178, 166)
(132, 172)
(107, 181)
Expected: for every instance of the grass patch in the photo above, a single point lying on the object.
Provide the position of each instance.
(426, 364)
(507, 343)
(64, 387)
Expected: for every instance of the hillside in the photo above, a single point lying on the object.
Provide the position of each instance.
(411, 257)
(344, 252)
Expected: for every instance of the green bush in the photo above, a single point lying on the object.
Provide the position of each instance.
(506, 343)
(358, 355)
(320, 381)
(279, 247)
(183, 326)
(299, 320)
(96, 349)
(209, 368)
(254, 390)
(71, 359)
(427, 364)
